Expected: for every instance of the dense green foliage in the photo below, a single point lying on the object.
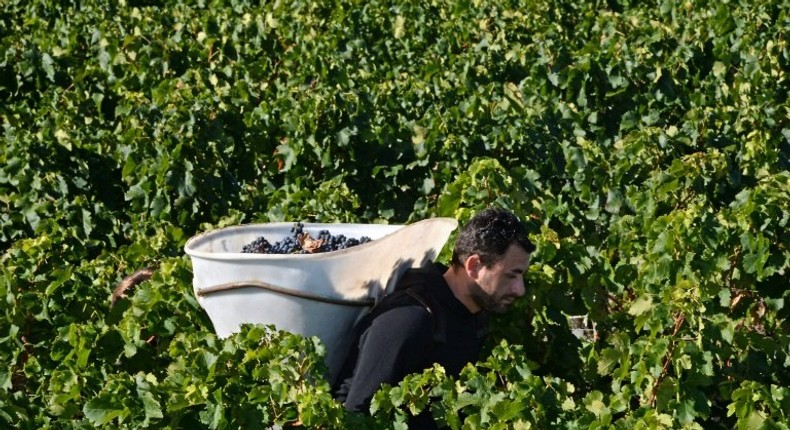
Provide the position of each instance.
(647, 143)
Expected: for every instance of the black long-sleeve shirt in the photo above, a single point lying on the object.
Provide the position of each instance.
(407, 333)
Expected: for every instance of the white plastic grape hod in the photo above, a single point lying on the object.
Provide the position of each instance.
(319, 294)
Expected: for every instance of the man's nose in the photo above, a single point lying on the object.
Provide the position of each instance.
(518, 287)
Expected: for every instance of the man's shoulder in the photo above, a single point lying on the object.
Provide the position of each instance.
(402, 304)
(406, 324)
(430, 276)
(406, 313)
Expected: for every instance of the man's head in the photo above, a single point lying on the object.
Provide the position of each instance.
(493, 248)
(489, 234)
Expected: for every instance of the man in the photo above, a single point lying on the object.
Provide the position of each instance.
(438, 314)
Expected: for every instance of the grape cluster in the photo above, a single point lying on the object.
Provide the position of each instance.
(300, 242)
(258, 246)
(330, 242)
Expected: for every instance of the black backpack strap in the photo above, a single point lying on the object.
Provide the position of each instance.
(437, 322)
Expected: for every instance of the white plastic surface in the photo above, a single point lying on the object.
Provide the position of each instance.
(224, 277)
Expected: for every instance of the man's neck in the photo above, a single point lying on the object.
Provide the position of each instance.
(459, 282)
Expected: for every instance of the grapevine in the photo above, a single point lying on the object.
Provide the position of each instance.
(646, 143)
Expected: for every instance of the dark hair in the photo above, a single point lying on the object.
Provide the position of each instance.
(489, 234)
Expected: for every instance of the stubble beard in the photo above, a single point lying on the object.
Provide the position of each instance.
(486, 301)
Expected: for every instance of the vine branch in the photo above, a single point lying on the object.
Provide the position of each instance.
(679, 319)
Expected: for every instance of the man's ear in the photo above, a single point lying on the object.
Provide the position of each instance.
(473, 264)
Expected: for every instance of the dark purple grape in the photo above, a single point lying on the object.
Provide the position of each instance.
(293, 244)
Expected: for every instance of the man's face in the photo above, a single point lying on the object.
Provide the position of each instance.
(498, 286)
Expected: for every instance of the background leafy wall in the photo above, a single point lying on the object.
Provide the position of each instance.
(647, 144)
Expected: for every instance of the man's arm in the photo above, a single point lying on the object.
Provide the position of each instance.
(396, 343)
